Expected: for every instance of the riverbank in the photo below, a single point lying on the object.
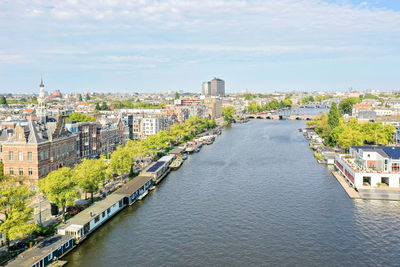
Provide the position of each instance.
(79, 227)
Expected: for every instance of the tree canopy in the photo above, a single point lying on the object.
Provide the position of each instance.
(60, 188)
(346, 104)
(89, 175)
(14, 206)
(228, 113)
(80, 117)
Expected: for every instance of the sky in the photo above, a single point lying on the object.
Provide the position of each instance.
(161, 45)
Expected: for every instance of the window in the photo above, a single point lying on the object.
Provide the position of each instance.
(120, 203)
(41, 156)
(1, 149)
(11, 171)
(20, 171)
(96, 219)
(10, 155)
(29, 156)
(19, 136)
(46, 154)
(104, 214)
(108, 211)
(30, 171)
(20, 156)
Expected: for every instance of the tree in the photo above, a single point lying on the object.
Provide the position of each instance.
(121, 161)
(228, 113)
(346, 105)
(3, 100)
(89, 174)
(104, 106)
(80, 117)
(176, 95)
(60, 188)
(333, 116)
(14, 206)
(1, 170)
(87, 97)
(97, 106)
(80, 98)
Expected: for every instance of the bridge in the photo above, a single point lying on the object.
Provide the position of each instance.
(282, 116)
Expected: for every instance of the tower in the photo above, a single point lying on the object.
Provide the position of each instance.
(41, 111)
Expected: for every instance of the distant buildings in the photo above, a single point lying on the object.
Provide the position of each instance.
(215, 87)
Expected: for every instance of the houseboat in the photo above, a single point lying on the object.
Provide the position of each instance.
(44, 253)
(135, 188)
(88, 220)
(157, 170)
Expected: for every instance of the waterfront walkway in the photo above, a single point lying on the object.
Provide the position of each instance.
(351, 192)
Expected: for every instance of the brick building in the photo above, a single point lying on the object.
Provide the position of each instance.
(34, 150)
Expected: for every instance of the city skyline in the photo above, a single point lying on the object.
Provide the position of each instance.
(157, 46)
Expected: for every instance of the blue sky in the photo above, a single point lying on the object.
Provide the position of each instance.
(156, 46)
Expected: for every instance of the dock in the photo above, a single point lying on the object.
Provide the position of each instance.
(351, 192)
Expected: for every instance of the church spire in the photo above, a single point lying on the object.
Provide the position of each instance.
(41, 81)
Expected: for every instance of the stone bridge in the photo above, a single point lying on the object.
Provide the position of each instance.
(280, 116)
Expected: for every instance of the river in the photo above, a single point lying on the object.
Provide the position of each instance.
(255, 197)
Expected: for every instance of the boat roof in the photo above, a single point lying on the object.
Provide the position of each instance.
(133, 185)
(42, 249)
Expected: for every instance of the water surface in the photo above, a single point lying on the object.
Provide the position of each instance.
(255, 197)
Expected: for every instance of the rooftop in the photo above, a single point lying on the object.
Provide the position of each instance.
(133, 185)
(42, 249)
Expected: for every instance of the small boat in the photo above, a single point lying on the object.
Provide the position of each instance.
(143, 195)
(176, 164)
(184, 156)
(152, 188)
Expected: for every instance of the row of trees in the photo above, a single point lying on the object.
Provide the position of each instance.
(311, 99)
(130, 104)
(65, 185)
(271, 105)
(336, 131)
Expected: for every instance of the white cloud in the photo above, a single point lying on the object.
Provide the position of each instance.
(11, 58)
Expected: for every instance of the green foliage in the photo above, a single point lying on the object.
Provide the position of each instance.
(80, 98)
(176, 95)
(333, 116)
(353, 133)
(80, 117)
(121, 160)
(59, 186)
(102, 107)
(346, 105)
(3, 100)
(130, 104)
(228, 113)
(1, 170)
(87, 97)
(370, 96)
(89, 175)
(306, 100)
(14, 206)
(271, 105)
